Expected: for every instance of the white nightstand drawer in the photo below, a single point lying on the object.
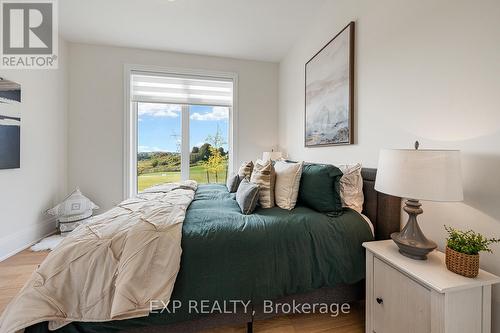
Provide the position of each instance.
(413, 296)
(399, 303)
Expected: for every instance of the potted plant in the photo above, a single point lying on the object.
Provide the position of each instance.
(462, 251)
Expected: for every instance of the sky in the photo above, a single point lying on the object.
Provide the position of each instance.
(159, 126)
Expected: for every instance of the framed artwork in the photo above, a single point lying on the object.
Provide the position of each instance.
(9, 91)
(10, 125)
(329, 92)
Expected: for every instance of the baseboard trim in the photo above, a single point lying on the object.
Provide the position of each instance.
(45, 225)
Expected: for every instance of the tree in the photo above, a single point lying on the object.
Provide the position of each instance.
(215, 162)
(216, 159)
(204, 152)
(216, 140)
(140, 169)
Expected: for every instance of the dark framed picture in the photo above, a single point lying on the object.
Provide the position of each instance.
(9, 91)
(329, 92)
(10, 124)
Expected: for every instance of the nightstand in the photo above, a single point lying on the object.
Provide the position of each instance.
(422, 296)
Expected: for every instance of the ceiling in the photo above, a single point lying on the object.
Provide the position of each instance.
(246, 29)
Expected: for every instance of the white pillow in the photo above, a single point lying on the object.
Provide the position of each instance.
(351, 187)
(287, 185)
(75, 207)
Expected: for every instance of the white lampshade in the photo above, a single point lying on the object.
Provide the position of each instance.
(433, 175)
(271, 155)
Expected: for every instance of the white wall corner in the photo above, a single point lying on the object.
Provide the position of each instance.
(25, 237)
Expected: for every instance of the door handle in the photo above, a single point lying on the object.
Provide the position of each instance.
(380, 300)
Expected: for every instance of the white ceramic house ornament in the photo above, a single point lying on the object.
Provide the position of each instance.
(73, 211)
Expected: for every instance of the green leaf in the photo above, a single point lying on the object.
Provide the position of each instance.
(468, 242)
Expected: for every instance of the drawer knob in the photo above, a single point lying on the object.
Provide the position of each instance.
(380, 300)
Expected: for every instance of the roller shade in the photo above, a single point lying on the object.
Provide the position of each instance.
(175, 89)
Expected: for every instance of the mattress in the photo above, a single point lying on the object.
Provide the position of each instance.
(228, 256)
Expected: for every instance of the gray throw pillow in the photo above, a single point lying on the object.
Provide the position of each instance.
(232, 182)
(247, 196)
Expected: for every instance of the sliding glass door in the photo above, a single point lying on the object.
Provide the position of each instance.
(182, 129)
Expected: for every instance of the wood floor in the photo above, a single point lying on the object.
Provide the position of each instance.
(16, 270)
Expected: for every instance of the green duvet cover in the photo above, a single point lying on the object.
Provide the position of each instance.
(262, 256)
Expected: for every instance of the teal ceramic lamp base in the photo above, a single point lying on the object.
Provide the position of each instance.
(411, 240)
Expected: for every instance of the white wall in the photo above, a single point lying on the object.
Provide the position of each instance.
(96, 113)
(27, 192)
(425, 70)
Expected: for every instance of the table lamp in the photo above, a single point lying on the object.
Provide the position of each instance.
(272, 155)
(414, 174)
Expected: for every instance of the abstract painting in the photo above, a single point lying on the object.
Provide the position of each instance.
(329, 88)
(10, 125)
(9, 91)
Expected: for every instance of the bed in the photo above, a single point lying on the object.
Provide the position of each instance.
(273, 254)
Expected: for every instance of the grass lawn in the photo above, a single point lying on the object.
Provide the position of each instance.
(197, 173)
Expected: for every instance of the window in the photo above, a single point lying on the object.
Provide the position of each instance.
(208, 137)
(180, 126)
(159, 142)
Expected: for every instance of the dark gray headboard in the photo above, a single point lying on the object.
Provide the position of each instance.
(383, 210)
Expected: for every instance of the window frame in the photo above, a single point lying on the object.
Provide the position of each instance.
(130, 122)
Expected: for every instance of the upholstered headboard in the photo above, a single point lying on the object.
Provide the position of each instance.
(383, 210)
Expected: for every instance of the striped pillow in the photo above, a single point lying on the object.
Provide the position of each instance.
(264, 175)
(351, 187)
(245, 170)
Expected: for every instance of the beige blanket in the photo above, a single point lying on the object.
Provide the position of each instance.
(110, 268)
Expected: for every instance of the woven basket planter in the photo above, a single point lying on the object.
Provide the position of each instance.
(464, 264)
